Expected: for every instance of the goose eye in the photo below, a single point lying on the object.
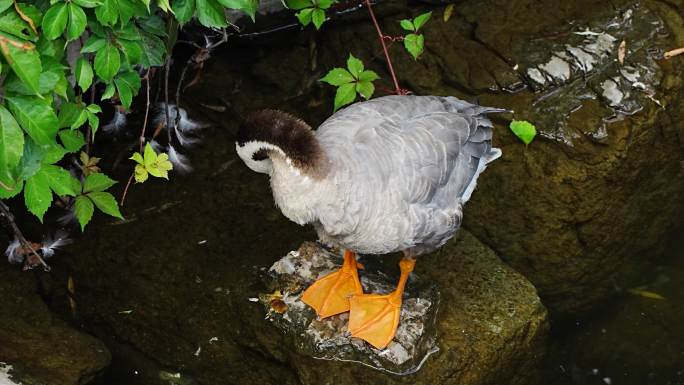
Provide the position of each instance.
(260, 155)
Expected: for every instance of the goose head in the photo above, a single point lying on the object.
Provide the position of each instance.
(269, 135)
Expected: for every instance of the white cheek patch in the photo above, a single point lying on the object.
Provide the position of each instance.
(247, 151)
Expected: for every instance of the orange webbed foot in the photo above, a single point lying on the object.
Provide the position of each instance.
(375, 317)
(330, 294)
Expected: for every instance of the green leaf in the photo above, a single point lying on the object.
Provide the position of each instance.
(13, 24)
(106, 203)
(4, 4)
(141, 174)
(97, 182)
(420, 20)
(107, 62)
(94, 122)
(318, 17)
(68, 113)
(154, 50)
(365, 89)
(133, 51)
(355, 66)
(368, 76)
(337, 77)
(154, 25)
(31, 160)
(72, 140)
(77, 22)
(11, 144)
(414, 44)
(15, 189)
(108, 12)
(93, 44)
(161, 167)
(108, 92)
(83, 73)
(247, 6)
(129, 9)
(128, 85)
(149, 156)
(448, 11)
(407, 25)
(164, 6)
(524, 130)
(53, 154)
(37, 195)
(345, 94)
(83, 208)
(304, 16)
(298, 4)
(210, 13)
(36, 117)
(183, 9)
(323, 4)
(88, 3)
(25, 62)
(80, 119)
(59, 180)
(137, 158)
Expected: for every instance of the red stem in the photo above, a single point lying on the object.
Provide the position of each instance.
(381, 36)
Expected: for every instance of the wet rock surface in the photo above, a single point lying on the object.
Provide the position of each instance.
(328, 338)
(40, 348)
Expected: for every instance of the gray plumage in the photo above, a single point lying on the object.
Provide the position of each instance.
(394, 175)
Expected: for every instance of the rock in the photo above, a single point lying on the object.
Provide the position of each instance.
(39, 348)
(328, 339)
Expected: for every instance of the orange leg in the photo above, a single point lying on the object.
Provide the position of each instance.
(330, 294)
(374, 317)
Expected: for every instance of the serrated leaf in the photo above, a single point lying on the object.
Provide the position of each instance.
(106, 203)
(68, 113)
(318, 17)
(137, 158)
(164, 6)
(53, 154)
(129, 9)
(88, 3)
(183, 9)
(108, 12)
(77, 22)
(31, 160)
(247, 6)
(59, 180)
(345, 94)
(323, 4)
(97, 182)
(25, 62)
(72, 140)
(94, 123)
(149, 156)
(37, 195)
(337, 77)
(93, 44)
(420, 20)
(36, 117)
(108, 92)
(161, 166)
(80, 119)
(83, 208)
(83, 73)
(55, 20)
(132, 50)
(11, 144)
(407, 25)
(365, 89)
(141, 174)
(368, 76)
(355, 66)
(4, 4)
(414, 44)
(524, 130)
(107, 62)
(14, 190)
(304, 16)
(154, 50)
(298, 4)
(128, 85)
(210, 13)
(13, 24)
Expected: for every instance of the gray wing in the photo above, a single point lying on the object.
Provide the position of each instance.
(412, 161)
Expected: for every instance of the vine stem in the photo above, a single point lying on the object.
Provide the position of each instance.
(5, 211)
(142, 133)
(381, 37)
